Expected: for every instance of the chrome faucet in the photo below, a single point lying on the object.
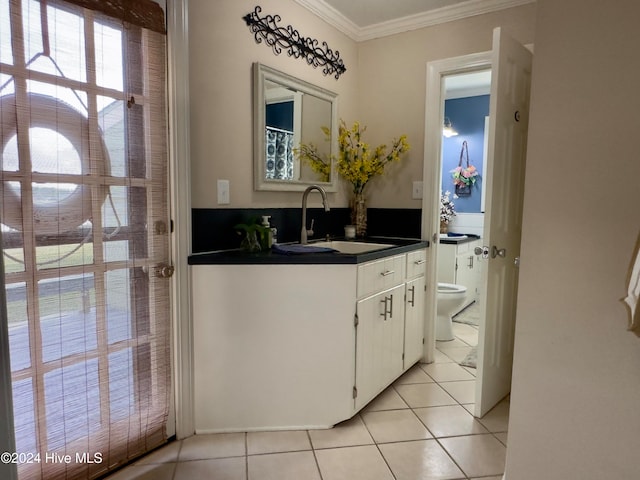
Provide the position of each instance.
(304, 233)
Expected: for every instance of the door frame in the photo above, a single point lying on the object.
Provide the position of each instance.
(181, 418)
(432, 172)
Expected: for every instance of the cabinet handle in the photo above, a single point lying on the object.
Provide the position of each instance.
(387, 273)
(419, 262)
(388, 307)
(413, 295)
(470, 264)
(384, 314)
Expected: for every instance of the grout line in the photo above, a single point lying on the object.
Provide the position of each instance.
(246, 455)
(315, 457)
(175, 469)
(378, 447)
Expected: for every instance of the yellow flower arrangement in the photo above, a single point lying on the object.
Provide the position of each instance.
(309, 154)
(356, 161)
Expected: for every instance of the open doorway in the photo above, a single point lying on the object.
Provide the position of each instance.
(510, 64)
(463, 152)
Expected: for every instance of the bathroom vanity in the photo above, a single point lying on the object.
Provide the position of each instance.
(303, 340)
(459, 264)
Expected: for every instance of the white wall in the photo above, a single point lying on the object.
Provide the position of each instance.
(576, 389)
(383, 88)
(222, 50)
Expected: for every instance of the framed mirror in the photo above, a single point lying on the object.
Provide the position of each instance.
(288, 112)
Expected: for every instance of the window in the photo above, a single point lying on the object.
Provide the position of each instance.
(84, 225)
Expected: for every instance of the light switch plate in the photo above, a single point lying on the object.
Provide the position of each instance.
(416, 191)
(223, 192)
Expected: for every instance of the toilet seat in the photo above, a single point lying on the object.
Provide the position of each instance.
(450, 288)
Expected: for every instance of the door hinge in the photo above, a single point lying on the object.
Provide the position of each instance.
(355, 320)
(423, 340)
(355, 391)
(171, 226)
(403, 357)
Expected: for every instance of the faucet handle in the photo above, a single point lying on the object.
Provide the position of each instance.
(310, 231)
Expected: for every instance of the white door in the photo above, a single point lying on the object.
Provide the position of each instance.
(504, 182)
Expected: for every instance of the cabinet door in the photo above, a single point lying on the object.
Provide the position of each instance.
(379, 343)
(446, 263)
(414, 321)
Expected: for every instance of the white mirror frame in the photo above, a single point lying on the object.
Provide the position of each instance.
(262, 73)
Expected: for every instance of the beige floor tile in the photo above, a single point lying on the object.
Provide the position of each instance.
(466, 333)
(200, 447)
(502, 436)
(234, 468)
(164, 471)
(456, 354)
(455, 343)
(439, 357)
(470, 407)
(353, 463)
(476, 455)
(414, 375)
(165, 454)
(419, 460)
(497, 419)
(283, 466)
(349, 433)
(472, 371)
(394, 426)
(275, 442)
(389, 399)
(424, 395)
(447, 372)
(449, 421)
(497, 477)
(463, 392)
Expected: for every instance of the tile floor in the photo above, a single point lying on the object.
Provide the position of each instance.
(417, 429)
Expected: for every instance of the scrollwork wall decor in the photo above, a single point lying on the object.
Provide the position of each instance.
(288, 38)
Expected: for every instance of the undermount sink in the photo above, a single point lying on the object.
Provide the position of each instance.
(344, 246)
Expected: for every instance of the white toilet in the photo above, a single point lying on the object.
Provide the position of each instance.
(450, 298)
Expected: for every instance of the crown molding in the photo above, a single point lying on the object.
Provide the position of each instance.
(332, 16)
(412, 22)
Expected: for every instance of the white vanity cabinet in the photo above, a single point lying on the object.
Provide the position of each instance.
(299, 346)
(390, 323)
(458, 264)
(379, 343)
(415, 291)
(379, 326)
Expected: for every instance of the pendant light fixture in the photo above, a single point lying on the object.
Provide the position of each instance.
(448, 130)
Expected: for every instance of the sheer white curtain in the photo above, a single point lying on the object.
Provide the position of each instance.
(84, 226)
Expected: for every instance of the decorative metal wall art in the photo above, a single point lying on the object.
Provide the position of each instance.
(278, 38)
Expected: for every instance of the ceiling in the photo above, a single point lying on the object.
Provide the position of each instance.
(370, 12)
(368, 19)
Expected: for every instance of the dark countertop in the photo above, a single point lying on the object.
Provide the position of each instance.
(457, 239)
(239, 257)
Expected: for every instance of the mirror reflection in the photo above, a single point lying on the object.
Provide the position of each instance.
(290, 112)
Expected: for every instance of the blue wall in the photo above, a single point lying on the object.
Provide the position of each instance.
(467, 116)
(280, 115)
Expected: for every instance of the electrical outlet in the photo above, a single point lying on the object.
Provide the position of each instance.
(416, 191)
(223, 192)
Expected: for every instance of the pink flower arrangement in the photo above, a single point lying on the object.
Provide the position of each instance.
(464, 175)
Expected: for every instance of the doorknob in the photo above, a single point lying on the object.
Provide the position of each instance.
(163, 271)
(496, 252)
(484, 251)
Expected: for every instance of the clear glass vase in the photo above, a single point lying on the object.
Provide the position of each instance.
(358, 206)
